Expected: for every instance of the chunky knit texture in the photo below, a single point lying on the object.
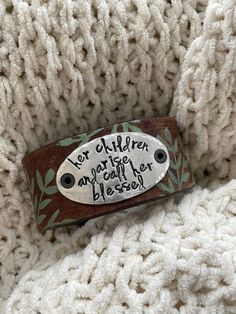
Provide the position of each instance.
(69, 66)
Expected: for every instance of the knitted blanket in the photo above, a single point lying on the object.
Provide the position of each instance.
(71, 66)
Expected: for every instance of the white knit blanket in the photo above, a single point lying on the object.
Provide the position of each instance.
(69, 66)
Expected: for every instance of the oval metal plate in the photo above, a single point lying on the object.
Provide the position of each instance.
(112, 168)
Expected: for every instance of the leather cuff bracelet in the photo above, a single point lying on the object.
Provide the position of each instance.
(106, 170)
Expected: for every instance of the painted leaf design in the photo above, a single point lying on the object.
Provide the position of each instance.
(185, 176)
(185, 163)
(40, 219)
(180, 144)
(175, 147)
(50, 190)
(67, 221)
(35, 204)
(173, 165)
(179, 161)
(49, 176)
(125, 126)
(173, 177)
(53, 218)
(66, 142)
(91, 134)
(44, 203)
(114, 128)
(84, 138)
(163, 187)
(178, 164)
(27, 176)
(31, 188)
(39, 181)
(163, 142)
(134, 128)
(171, 186)
(167, 134)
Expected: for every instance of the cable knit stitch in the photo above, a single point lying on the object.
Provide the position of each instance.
(69, 66)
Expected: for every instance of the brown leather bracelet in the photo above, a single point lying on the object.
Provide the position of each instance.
(106, 170)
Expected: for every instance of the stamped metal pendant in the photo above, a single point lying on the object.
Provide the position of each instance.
(112, 168)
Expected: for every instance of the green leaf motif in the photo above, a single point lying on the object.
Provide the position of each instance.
(134, 128)
(185, 163)
(66, 221)
(44, 203)
(49, 176)
(178, 163)
(91, 134)
(39, 181)
(84, 138)
(114, 128)
(173, 177)
(40, 219)
(27, 176)
(164, 142)
(171, 186)
(180, 144)
(38, 202)
(50, 190)
(185, 176)
(35, 204)
(173, 165)
(159, 138)
(53, 218)
(31, 188)
(175, 147)
(125, 127)
(167, 134)
(163, 187)
(66, 142)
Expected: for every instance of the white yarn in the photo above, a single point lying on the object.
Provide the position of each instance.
(68, 66)
(204, 102)
(170, 258)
